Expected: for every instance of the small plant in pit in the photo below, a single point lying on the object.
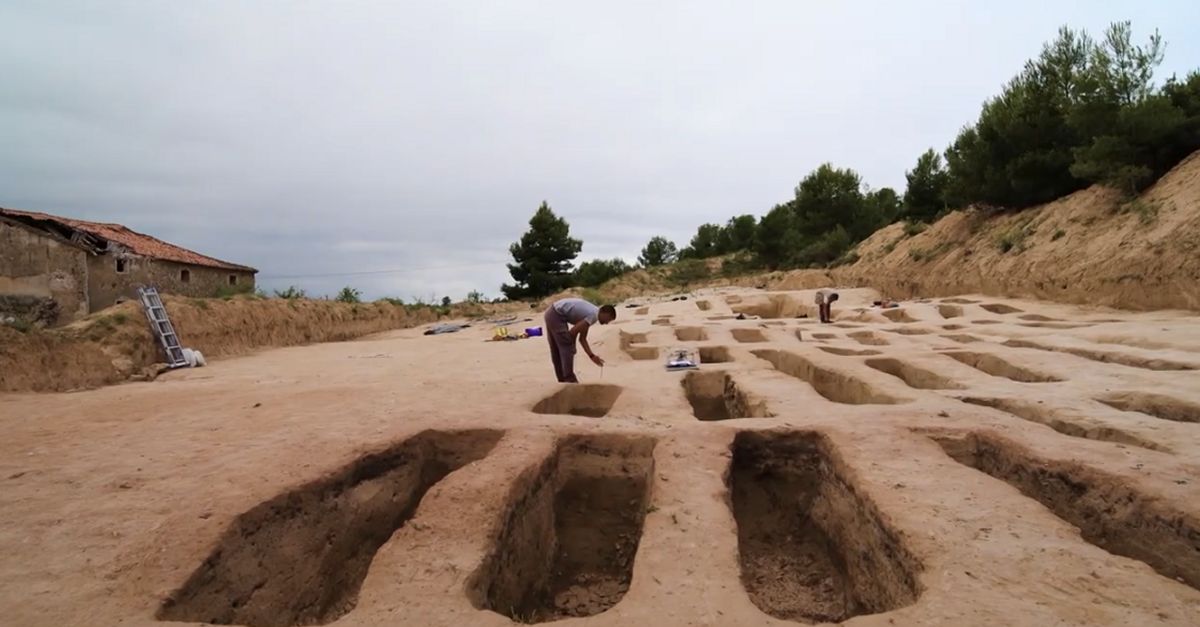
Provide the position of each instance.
(1059, 234)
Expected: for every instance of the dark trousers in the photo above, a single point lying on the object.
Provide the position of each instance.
(562, 346)
(823, 310)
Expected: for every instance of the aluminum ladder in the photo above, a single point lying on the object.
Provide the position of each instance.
(163, 329)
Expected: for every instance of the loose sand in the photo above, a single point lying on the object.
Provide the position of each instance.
(959, 461)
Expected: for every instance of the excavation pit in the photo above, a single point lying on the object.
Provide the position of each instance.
(1157, 405)
(642, 353)
(997, 367)
(908, 331)
(1109, 513)
(714, 355)
(703, 305)
(771, 307)
(300, 558)
(833, 385)
(567, 543)
(1062, 423)
(691, 334)
(716, 396)
(590, 400)
(811, 546)
(867, 338)
(913, 376)
(641, 311)
(959, 301)
(748, 336)
(950, 311)
(898, 315)
(1108, 357)
(1000, 308)
(962, 338)
(849, 352)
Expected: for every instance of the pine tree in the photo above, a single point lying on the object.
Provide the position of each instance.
(543, 257)
(658, 251)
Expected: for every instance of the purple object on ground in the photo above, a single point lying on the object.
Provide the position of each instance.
(534, 331)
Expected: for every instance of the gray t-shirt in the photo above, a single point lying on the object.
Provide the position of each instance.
(576, 309)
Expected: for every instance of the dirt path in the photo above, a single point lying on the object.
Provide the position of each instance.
(963, 461)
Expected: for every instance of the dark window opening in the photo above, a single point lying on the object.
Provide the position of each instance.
(121, 266)
(185, 276)
(233, 279)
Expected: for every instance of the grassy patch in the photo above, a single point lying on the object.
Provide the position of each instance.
(1013, 238)
(914, 228)
(1146, 211)
(1059, 234)
(926, 254)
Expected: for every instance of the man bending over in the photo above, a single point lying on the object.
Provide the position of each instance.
(566, 320)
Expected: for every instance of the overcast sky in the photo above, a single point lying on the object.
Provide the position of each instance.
(414, 140)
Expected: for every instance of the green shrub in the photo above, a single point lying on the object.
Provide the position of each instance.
(914, 228)
(689, 271)
(291, 293)
(348, 295)
(1059, 234)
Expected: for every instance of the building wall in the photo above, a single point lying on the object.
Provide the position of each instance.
(106, 284)
(33, 264)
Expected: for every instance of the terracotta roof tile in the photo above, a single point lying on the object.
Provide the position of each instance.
(137, 243)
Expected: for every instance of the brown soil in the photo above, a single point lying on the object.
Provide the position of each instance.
(691, 334)
(714, 355)
(833, 385)
(867, 337)
(1111, 357)
(299, 558)
(1105, 255)
(811, 549)
(848, 352)
(1106, 510)
(716, 396)
(914, 376)
(1157, 405)
(950, 311)
(568, 542)
(999, 308)
(1076, 426)
(115, 345)
(998, 367)
(335, 482)
(748, 336)
(590, 400)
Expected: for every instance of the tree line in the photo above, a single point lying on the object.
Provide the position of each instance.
(1084, 111)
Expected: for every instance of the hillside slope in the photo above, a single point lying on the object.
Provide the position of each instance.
(1087, 248)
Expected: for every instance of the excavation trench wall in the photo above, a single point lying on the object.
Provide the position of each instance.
(833, 385)
(811, 546)
(115, 344)
(1109, 512)
(714, 395)
(300, 558)
(592, 400)
(567, 542)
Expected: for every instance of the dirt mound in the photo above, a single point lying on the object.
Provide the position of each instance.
(1088, 248)
(115, 344)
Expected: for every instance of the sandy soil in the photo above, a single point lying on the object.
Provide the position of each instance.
(960, 461)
